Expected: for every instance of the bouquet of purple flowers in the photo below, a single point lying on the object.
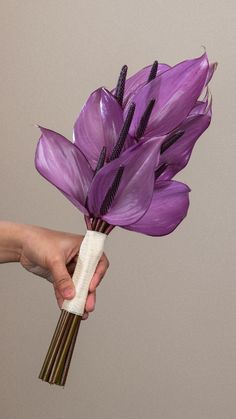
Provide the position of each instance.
(128, 144)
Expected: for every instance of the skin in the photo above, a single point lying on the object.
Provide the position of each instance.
(49, 254)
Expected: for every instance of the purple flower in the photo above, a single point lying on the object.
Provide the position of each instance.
(177, 147)
(127, 146)
(175, 92)
(65, 166)
(98, 125)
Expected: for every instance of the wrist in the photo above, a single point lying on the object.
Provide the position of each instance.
(11, 240)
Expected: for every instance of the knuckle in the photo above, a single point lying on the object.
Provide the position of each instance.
(53, 261)
(61, 282)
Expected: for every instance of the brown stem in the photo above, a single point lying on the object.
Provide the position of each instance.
(88, 222)
(94, 222)
(50, 349)
(55, 348)
(54, 344)
(103, 227)
(109, 229)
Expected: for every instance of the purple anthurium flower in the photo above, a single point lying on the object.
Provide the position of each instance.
(168, 207)
(174, 92)
(63, 164)
(132, 199)
(165, 95)
(98, 125)
(176, 151)
(140, 79)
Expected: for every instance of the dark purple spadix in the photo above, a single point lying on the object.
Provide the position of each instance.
(120, 87)
(101, 160)
(160, 170)
(111, 193)
(144, 119)
(123, 134)
(171, 140)
(153, 72)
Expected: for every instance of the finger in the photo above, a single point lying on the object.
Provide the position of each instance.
(90, 302)
(85, 316)
(101, 269)
(58, 297)
(62, 280)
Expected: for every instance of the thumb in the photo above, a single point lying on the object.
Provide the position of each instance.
(62, 280)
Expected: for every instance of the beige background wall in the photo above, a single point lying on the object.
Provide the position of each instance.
(162, 342)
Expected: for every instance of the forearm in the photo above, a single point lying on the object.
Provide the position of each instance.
(10, 241)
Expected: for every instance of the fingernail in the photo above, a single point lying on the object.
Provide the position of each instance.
(68, 292)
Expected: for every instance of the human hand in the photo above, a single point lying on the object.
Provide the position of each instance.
(53, 255)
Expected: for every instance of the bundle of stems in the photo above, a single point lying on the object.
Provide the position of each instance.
(57, 361)
(58, 358)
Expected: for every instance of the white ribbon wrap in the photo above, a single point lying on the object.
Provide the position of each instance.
(89, 255)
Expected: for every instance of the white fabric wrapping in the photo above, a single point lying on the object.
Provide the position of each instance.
(90, 252)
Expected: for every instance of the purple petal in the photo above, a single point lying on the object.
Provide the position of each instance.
(98, 125)
(178, 154)
(136, 187)
(168, 207)
(139, 79)
(175, 91)
(201, 107)
(62, 164)
(212, 69)
(198, 109)
(129, 142)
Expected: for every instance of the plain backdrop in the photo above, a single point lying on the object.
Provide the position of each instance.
(162, 341)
